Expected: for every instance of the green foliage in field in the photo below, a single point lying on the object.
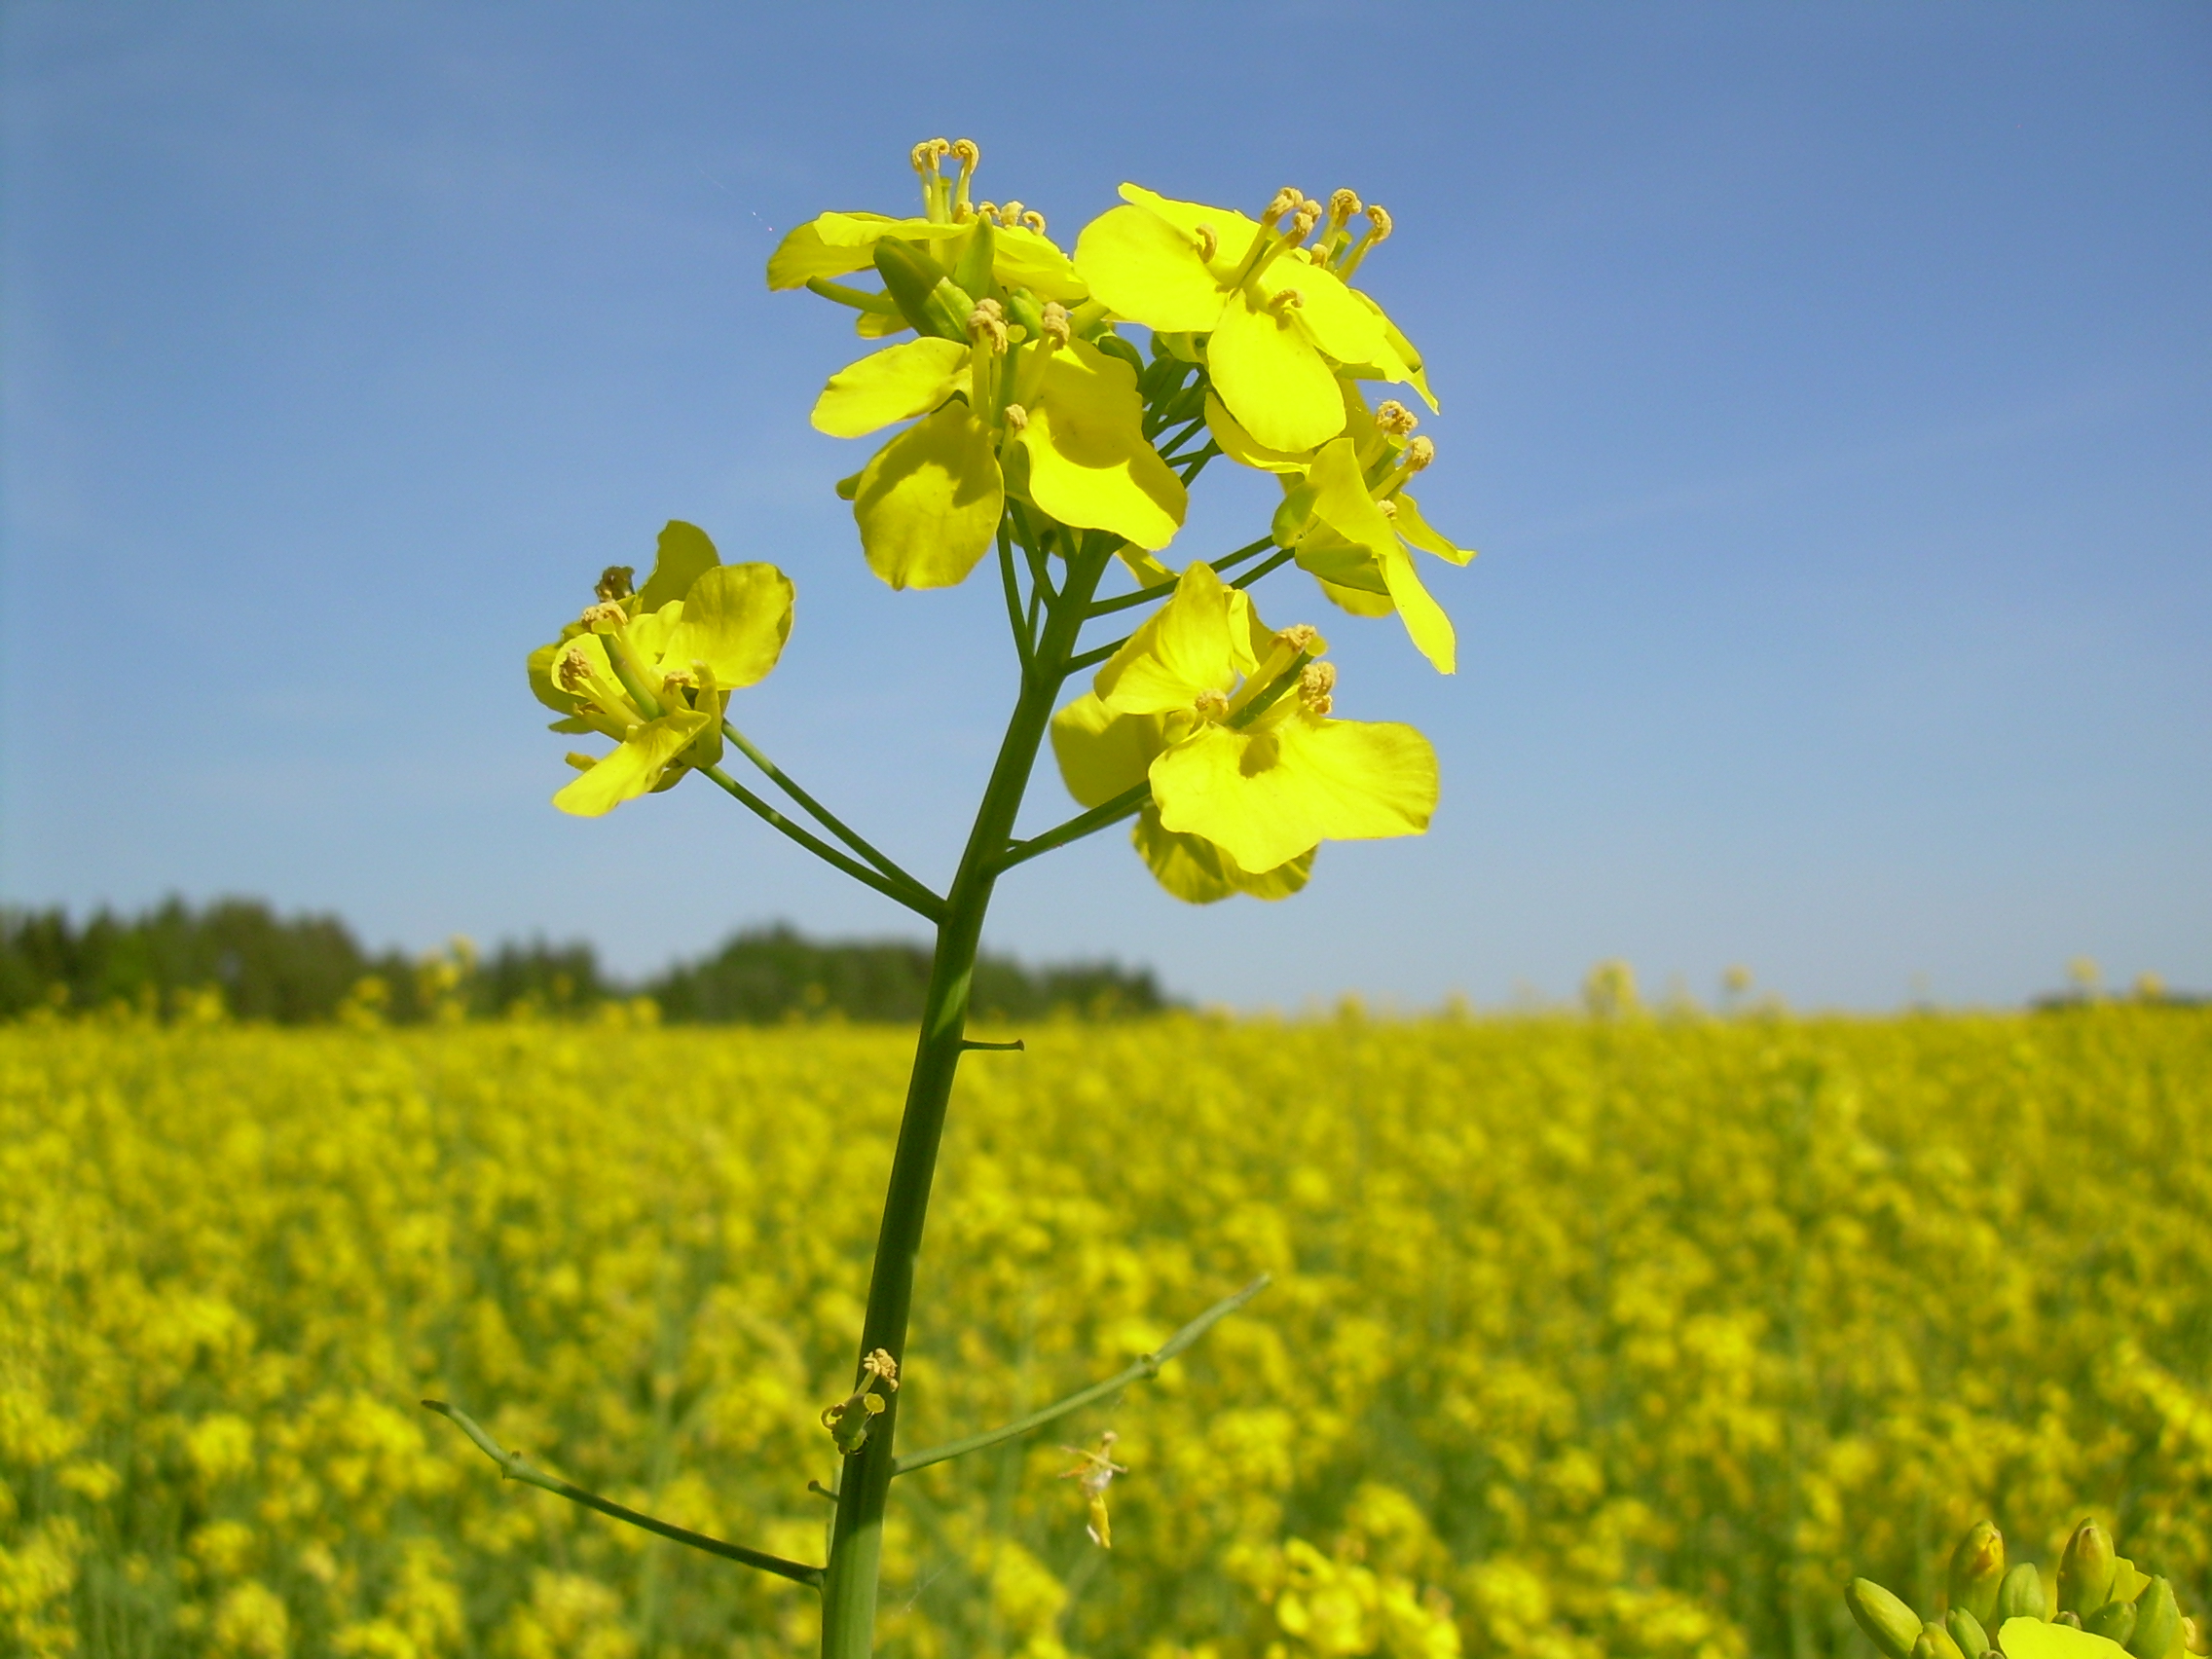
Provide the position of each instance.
(306, 970)
(1619, 1337)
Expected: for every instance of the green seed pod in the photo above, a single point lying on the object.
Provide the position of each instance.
(2020, 1595)
(1977, 1568)
(926, 297)
(2085, 1570)
(1934, 1643)
(1966, 1629)
(1890, 1625)
(2115, 1621)
(2158, 1624)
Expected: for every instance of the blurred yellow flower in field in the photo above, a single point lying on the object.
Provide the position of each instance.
(1590, 1337)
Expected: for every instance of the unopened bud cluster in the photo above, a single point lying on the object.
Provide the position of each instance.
(2101, 1602)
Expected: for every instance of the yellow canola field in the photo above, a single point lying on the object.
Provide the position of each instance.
(1587, 1337)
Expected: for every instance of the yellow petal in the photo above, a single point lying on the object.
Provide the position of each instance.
(1269, 793)
(1142, 267)
(633, 768)
(1326, 311)
(735, 620)
(1197, 872)
(1359, 601)
(1242, 448)
(1102, 753)
(927, 504)
(1341, 501)
(2032, 1638)
(1232, 232)
(1427, 624)
(1409, 523)
(1198, 640)
(894, 384)
(1271, 379)
(1089, 464)
(1021, 258)
(684, 551)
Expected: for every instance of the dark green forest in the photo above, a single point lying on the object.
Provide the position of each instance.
(305, 968)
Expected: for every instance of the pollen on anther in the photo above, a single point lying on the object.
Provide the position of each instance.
(966, 152)
(1419, 454)
(1395, 417)
(1380, 217)
(1055, 322)
(1211, 705)
(1343, 205)
(1316, 684)
(1016, 418)
(1297, 635)
(1208, 243)
(1032, 220)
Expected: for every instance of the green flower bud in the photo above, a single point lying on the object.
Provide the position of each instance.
(2115, 1621)
(2085, 1570)
(2071, 1621)
(1966, 1629)
(1977, 1568)
(2158, 1624)
(2020, 1595)
(1890, 1625)
(1934, 1643)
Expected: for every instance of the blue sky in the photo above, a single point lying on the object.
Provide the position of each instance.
(1829, 389)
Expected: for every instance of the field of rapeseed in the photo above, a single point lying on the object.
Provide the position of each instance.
(1630, 1338)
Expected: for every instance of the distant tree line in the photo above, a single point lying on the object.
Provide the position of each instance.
(301, 970)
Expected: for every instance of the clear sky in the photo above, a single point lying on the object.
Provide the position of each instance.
(1829, 389)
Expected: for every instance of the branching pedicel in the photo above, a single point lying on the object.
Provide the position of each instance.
(1029, 426)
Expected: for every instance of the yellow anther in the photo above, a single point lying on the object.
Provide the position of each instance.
(1208, 243)
(1016, 418)
(880, 1364)
(572, 670)
(927, 154)
(1305, 217)
(966, 152)
(1343, 205)
(1011, 213)
(605, 614)
(987, 323)
(1297, 635)
(679, 680)
(1419, 454)
(1032, 220)
(1285, 200)
(1379, 218)
(1054, 325)
(1211, 705)
(1288, 299)
(1395, 419)
(1316, 684)
(988, 210)
(1389, 506)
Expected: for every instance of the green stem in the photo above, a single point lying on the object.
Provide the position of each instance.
(909, 893)
(1161, 590)
(1137, 1371)
(856, 1549)
(821, 814)
(514, 1467)
(1262, 568)
(1076, 828)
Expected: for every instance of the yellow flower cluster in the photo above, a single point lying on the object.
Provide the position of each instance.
(1630, 1336)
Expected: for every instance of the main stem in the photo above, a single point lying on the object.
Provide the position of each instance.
(855, 1546)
